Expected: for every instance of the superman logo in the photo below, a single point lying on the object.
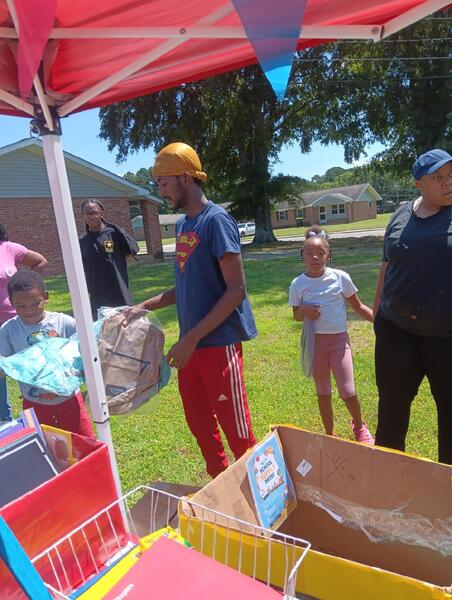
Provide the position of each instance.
(185, 244)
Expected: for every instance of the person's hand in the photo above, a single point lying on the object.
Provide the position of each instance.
(180, 353)
(312, 311)
(133, 312)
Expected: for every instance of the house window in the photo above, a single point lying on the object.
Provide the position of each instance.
(282, 215)
(334, 209)
(322, 214)
(300, 214)
(370, 204)
(341, 209)
(165, 228)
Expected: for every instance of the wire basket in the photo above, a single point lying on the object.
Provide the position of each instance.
(241, 545)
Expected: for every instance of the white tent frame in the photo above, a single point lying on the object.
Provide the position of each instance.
(56, 168)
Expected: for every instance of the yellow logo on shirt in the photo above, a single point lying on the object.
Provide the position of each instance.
(185, 244)
(108, 245)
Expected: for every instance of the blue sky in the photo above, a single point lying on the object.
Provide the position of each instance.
(80, 137)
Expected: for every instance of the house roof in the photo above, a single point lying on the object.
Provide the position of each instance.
(84, 167)
(352, 192)
(330, 198)
(344, 194)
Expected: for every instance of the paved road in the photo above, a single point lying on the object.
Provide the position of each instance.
(342, 235)
(171, 248)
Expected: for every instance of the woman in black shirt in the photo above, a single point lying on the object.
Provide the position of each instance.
(413, 307)
(105, 249)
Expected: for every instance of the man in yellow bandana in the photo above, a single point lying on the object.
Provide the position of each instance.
(213, 310)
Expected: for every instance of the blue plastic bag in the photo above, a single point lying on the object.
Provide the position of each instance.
(53, 364)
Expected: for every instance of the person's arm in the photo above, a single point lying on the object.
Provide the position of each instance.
(166, 298)
(379, 288)
(128, 244)
(35, 261)
(306, 311)
(232, 270)
(360, 308)
(300, 310)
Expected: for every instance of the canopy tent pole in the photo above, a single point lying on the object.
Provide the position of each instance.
(411, 16)
(62, 206)
(12, 100)
(200, 32)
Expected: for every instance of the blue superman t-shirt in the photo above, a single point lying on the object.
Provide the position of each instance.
(201, 241)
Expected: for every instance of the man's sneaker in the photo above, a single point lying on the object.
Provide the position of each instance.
(363, 434)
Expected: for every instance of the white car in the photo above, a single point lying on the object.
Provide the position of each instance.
(246, 229)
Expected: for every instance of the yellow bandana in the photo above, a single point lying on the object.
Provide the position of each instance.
(177, 159)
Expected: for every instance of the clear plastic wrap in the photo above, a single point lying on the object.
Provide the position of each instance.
(133, 364)
(383, 525)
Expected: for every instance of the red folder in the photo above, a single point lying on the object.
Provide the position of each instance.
(170, 570)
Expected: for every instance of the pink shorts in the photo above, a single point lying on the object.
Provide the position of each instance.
(333, 353)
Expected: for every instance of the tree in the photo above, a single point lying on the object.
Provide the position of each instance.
(329, 175)
(143, 177)
(232, 120)
(396, 91)
(346, 93)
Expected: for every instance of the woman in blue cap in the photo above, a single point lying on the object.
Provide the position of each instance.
(413, 307)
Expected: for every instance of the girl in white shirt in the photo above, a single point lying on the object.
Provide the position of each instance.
(320, 294)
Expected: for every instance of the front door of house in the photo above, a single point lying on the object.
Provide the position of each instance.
(322, 214)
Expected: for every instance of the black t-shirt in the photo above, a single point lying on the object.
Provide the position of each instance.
(417, 291)
(104, 261)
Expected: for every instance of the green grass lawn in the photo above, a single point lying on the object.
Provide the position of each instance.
(380, 221)
(160, 446)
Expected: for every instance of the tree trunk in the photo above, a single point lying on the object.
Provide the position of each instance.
(264, 230)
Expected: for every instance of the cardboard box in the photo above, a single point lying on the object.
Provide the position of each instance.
(380, 522)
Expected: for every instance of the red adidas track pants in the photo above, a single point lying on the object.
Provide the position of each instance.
(213, 393)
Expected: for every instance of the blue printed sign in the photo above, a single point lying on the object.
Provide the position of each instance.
(270, 482)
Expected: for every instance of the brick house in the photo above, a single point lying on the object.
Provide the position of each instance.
(337, 205)
(26, 207)
(167, 226)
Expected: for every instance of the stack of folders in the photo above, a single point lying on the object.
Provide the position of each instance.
(25, 459)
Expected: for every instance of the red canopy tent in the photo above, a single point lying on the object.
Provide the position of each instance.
(62, 56)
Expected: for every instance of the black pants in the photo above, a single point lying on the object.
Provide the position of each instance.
(401, 362)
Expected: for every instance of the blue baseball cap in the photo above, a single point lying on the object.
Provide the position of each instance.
(430, 162)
